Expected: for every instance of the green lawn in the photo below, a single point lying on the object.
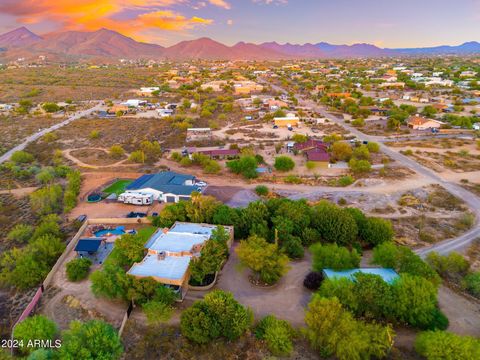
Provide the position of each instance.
(147, 231)
(117, 187)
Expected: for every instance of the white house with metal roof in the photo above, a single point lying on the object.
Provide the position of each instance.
(169, 253)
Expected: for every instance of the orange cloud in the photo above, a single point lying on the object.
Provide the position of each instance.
(94, 14)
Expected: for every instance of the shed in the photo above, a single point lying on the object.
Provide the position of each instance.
(89, 245)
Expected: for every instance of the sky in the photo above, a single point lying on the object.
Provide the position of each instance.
(385, 23)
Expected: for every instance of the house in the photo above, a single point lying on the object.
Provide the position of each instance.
(166, 186)
(220, 154)
(169, 252)
(287, 121)
(165, 112)
(420, 123)
(375, 110)
(314, 150)
(476, 126)
(388, 275)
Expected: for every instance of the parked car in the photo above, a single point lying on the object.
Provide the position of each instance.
(81, 218)
(275, 126)
(201, 183)
(133, 214)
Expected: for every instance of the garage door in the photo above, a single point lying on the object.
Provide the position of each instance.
(184, 198)
(170, 199)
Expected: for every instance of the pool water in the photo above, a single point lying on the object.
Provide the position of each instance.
(111, 232)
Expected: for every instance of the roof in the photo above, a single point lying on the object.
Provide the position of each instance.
(89, 245)
(174, 242)
(171, 267)
(316, 155)
(388, 275)
(166, 182)
(310, 144)
(220, 152)
(418, 120)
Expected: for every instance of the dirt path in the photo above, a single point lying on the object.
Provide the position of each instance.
(464, 314)
(69, 156)
(21, 192)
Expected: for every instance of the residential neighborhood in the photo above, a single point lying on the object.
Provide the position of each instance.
(164, 195)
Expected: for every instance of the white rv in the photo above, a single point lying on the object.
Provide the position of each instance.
(136, 198)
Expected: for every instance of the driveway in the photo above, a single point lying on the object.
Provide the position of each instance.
(286, 300)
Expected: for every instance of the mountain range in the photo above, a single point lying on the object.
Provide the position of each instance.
(108, 44)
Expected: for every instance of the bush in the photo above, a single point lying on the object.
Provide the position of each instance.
(46, 200)
(261, 190)
(435, 345)
(373, 147)
(452, 266)
(334, 224)
(246, 166)
(346, 180)
(94, 134)
(77, 269)
(359, 166)
(36, 327)
(137, 157)
(471, 283)
(293, 247)
(277, 335)
(50, 107)
(313, 280)
(157, 311)
(21, 233)
(284, 163)
(21, 157)
(116, 151)
(331, 256)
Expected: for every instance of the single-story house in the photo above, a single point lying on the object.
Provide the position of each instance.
(388, 275)
(310, 145)
(166, 186)
(318, 156)
(289, 120)
(169, 252)
(421, 123)
(134, 103)
(221, 153)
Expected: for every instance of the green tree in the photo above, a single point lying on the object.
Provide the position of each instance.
(332, 330)
(341, 151)
(435, 345)
(77, 269)
(471, 283)
(128, 249)
(246, 166)
(46, 200)
(334, 224)
(452, 266)
(36, 327)
(359, 166)
(94, 339)
(331, 256)
(376, 231)
(263, 258)
(218, 315)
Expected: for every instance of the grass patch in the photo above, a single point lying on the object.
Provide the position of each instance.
(147, 232)
(117, 187)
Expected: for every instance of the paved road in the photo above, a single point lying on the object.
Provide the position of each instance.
(39, 134)
(473, 201)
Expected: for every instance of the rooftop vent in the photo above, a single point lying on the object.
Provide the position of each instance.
(162, 255)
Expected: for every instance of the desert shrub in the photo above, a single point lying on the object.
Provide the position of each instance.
(346, 180)
(21, 233)
(77, 269)
(261, 190)
(471, 283)
(21, 157)
(277, 334)
(435, 345)
(116, 151)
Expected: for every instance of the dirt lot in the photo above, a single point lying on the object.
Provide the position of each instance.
(14, 128)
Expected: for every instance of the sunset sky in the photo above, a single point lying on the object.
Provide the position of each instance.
(386, 23)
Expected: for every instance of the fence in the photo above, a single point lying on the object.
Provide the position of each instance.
(70, 246)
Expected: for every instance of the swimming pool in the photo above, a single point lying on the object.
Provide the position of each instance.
(107, 232)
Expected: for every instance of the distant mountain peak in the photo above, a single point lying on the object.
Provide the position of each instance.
(18, 37)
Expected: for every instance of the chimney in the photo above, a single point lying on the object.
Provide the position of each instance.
(165, 230)
(161, 255)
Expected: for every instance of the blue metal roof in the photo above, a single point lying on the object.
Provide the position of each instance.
(90, 245)
(167, 182)
(388, 275)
